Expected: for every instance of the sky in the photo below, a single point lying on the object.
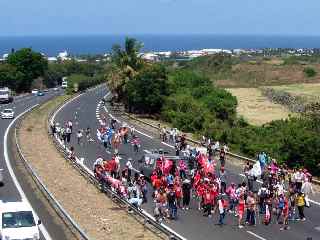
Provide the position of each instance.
(88, 17)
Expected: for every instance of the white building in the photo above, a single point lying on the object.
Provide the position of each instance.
(52, 59)
(63, 55)
(150, 57)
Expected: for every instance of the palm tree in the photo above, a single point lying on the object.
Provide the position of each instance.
(126, 64)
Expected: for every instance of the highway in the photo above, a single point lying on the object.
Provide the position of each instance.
(16, 186)
(86, 111)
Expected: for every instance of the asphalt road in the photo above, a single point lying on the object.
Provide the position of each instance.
(9, 192)
(85, 111)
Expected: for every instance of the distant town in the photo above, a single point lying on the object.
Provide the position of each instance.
(157, 56)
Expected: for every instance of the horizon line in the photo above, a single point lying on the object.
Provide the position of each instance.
(163, 34)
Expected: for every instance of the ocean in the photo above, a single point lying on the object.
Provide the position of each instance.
(99, 44)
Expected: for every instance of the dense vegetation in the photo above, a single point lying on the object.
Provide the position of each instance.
(21, 69)
(190, 101)
(25, 69)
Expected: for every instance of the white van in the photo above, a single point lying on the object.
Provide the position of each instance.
(18, 221)
(64, 82)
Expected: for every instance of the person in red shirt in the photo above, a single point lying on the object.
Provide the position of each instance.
(285, 214)
(200, 190)
(241, 209)
(178, 191)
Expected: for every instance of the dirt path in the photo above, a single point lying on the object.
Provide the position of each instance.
(93, 211)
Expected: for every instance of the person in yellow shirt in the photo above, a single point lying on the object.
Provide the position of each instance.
(300, 201)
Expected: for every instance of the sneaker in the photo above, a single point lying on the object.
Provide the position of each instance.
(240, 226)
(183, 208)
(303, 219)
(187, 208)
(281, 229)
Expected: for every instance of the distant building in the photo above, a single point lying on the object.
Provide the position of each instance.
(52, 59)
(63, 55)
(150, 57)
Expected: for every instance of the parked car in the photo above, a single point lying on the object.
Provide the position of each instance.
(7, 113)
(18, 221)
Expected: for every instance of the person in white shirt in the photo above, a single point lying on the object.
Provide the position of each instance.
(298, 179)
(307, 190)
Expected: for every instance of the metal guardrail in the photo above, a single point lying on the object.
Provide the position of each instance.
(109, 192)
(53, 201)
(314, 181)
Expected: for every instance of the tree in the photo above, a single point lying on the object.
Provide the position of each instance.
(126, 64)
(145, 93)
(10, 77)
(31, 64)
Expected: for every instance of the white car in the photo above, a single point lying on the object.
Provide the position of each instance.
(35, 91)
(7, 113)
(18, 221)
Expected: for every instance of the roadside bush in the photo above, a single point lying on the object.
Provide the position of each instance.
(309, 72)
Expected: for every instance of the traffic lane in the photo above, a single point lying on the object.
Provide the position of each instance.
(188, 226)
(8, 191)
(46, 213)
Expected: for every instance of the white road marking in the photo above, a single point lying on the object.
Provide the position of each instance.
(167, 144)
(146, 151)
(256, 235)
(13, 176)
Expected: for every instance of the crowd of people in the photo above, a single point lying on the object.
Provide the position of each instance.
(203, 182)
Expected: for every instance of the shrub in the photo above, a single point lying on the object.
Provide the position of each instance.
(309, 72)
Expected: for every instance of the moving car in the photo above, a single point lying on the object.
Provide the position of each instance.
(40, 93)
(5, 95)
(18, 221)
(7, 113)
(35, 91)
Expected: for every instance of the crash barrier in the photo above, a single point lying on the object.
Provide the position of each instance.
(239, 157)
(88, 174)
(53, 202)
